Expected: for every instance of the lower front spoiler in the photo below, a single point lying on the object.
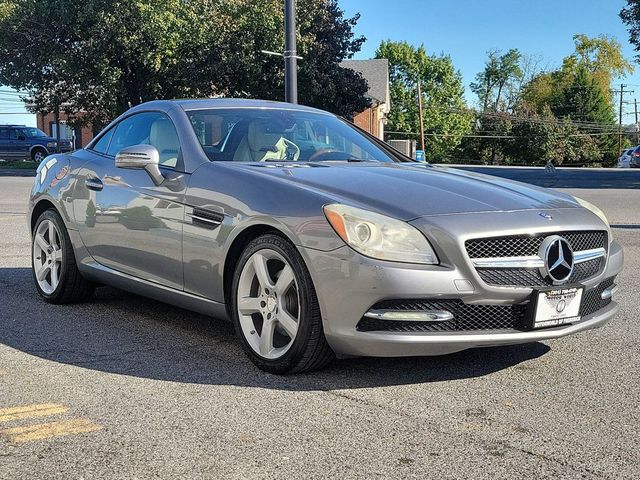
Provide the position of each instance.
(379, 344)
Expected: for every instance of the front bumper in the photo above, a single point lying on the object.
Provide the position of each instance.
(349, 285)
(389, 344)
(63, 149)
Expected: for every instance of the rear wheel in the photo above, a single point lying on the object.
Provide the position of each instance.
(54, 266)
(275, 308)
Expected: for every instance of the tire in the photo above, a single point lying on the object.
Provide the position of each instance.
(308, 349)
(38, 154)
(53, 263)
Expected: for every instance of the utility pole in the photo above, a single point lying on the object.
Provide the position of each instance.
(290, 53)
(635, 102)
(622, 85)
(421, 116)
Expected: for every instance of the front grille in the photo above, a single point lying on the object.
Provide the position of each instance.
(523, 246)
(530, 277)
(526, 245)
(468, 318)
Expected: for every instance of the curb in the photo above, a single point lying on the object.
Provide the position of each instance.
(17, 172)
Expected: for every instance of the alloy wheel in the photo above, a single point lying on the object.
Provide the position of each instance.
(47, 256)
(268, 304)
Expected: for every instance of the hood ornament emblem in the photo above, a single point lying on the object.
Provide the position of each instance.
(545, 215)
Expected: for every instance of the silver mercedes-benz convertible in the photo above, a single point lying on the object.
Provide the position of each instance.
(315, 238)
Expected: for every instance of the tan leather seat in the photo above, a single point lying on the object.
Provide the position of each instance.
(163, 136)
(260, 145)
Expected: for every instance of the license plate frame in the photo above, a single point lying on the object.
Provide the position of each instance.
(553, 307)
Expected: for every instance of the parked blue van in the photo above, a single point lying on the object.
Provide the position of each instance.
(19, 141)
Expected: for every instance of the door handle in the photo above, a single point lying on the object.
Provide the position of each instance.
(93, 184)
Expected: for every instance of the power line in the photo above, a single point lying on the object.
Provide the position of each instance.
(515, 119)
(493, 136)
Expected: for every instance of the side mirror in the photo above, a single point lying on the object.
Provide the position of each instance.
(141, 157)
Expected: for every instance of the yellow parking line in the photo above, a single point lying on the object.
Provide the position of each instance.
(30, 411)
(48, 430)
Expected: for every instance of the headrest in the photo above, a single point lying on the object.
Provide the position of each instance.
(261, 138)
(163, 135)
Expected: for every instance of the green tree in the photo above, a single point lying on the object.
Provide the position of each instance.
(501, 74)
(103, 56)
(542, 137)
(445, 118)
(495, 87)
(600, 58)
(630, 16)
(583, 99)
(328, 39)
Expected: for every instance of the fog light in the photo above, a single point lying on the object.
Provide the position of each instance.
(411, 315)
(608, 292)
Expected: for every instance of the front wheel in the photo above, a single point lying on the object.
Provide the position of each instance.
(275, 309)
(38, 154)
(55, 272)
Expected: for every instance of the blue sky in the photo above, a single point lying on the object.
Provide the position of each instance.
(466, 29)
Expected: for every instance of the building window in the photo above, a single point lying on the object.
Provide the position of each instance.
(66, 132)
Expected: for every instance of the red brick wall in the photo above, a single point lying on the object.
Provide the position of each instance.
(83, 135)
(368, 121)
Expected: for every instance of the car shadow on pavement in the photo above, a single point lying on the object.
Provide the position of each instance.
(118, 332)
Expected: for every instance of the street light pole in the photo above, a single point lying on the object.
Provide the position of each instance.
(290, 53)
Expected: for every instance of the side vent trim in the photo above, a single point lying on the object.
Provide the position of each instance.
(206, 218)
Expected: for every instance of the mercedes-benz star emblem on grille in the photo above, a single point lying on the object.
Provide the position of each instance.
(558, 259)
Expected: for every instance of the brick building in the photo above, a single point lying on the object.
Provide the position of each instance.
(80, 136)
(376, 73)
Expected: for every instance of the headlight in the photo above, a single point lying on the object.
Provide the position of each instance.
(378, 236)
(595, 210)
(51, 145)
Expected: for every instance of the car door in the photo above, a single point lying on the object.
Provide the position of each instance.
(22, 143)
(126, 221)
(5, 143)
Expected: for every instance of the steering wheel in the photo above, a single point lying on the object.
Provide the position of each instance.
(328, 154)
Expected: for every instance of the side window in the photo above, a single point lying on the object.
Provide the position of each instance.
(4, 133)
(102, 145)
(149, 128)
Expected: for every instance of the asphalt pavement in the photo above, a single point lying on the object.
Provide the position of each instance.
(124, 387)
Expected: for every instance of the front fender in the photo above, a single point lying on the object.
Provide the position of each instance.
(38, 145)
(52, 184)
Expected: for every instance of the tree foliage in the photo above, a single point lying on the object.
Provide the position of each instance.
(542, 137)
(572, 102)
(496, 82)
(630, 16)
(442, 90)
(600, 59)
(100, 57)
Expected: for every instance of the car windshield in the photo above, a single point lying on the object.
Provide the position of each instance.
(267, 135)
(33, 133)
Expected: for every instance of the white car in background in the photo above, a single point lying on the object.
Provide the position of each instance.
(623, 161)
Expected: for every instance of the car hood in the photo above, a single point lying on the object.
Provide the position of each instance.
(408, 191)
